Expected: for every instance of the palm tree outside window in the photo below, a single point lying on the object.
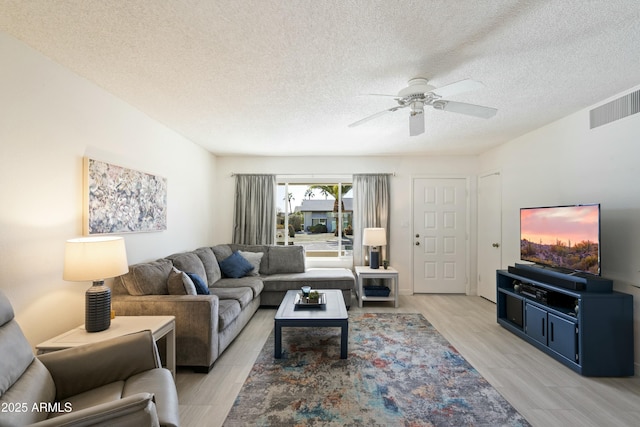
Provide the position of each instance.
(316, 215)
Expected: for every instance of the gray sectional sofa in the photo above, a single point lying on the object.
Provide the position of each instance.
(207, 324)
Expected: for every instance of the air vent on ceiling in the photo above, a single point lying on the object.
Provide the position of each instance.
(615, 110)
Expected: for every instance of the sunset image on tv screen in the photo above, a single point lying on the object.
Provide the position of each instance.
(565, 237)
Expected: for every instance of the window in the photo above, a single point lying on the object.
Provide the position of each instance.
(316, 215)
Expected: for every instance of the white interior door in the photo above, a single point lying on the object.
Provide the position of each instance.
(489, 234)
(440, 260)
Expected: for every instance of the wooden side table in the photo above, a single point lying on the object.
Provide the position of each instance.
(364, 272)
(159, 326)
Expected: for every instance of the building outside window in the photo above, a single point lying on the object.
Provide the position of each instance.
(316, 215)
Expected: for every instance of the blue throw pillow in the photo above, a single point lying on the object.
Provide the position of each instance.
(235, 266)
(201, 287)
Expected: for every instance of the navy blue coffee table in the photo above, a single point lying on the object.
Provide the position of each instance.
(331, 314)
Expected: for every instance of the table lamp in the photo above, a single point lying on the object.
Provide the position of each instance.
(95, 259)
(374, 237)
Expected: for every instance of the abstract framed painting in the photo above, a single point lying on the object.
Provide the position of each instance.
(121, 200)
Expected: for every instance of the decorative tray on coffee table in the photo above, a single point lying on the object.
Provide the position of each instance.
(303, 302)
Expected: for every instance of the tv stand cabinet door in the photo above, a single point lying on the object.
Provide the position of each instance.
(536, 323)
(563, 337)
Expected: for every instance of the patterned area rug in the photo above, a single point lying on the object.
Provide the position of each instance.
(400, 371)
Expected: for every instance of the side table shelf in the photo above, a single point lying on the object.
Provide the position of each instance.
(364, 272)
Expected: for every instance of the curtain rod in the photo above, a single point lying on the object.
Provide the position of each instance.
(323, 175)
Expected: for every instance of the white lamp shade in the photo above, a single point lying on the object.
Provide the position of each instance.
(94, 258)
(374, 237)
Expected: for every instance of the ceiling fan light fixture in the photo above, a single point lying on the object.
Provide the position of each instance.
(417, 107)
(416, 122)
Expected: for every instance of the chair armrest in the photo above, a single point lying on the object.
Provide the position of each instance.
(136, 410)
(76, 370)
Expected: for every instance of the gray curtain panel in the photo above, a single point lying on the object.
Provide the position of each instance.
(371, 207)
(255, 210)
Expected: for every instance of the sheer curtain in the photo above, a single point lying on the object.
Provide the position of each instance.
(371, 207)
(254, 220)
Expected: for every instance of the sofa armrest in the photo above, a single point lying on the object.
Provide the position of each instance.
(160, 305)
(76, 370)
(136, 410)
(196, 322)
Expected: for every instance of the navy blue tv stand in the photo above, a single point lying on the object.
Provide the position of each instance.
(578, 321)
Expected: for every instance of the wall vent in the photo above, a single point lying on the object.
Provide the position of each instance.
(615, 110)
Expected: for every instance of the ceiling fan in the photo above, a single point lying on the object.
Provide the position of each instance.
(420, 93)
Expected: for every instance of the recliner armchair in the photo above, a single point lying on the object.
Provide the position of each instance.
(115, 382)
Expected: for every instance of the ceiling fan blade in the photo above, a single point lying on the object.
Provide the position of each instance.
(464, 108)
(373, 116)
(416, 123)
(380, 94)
(461, 86)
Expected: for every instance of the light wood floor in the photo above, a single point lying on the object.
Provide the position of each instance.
(545, 392)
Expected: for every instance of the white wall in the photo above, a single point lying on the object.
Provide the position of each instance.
(405, 168)
(567, 163)
(49, 119)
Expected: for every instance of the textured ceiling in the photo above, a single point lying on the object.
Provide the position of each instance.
(285, 77)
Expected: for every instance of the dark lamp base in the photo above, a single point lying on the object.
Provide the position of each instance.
(97, 308)
(374, 259)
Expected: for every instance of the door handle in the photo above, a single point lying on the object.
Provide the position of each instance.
(417, 235)
(417, 243)
(495, 245)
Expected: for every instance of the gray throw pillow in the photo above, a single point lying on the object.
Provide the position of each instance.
(179, 283)
(254, 259)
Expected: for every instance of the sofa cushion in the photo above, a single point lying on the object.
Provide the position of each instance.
(222, 252)
(228, 311)
(286, 259)
(179, 283)
(243, 295)
(149, 278)
(317, 278)
(210, 264)
(254, 259)
(253, 282)
(235, 266)
(189, 262)
(199, 283)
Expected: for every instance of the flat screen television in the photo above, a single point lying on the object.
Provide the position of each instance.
(566, 238)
